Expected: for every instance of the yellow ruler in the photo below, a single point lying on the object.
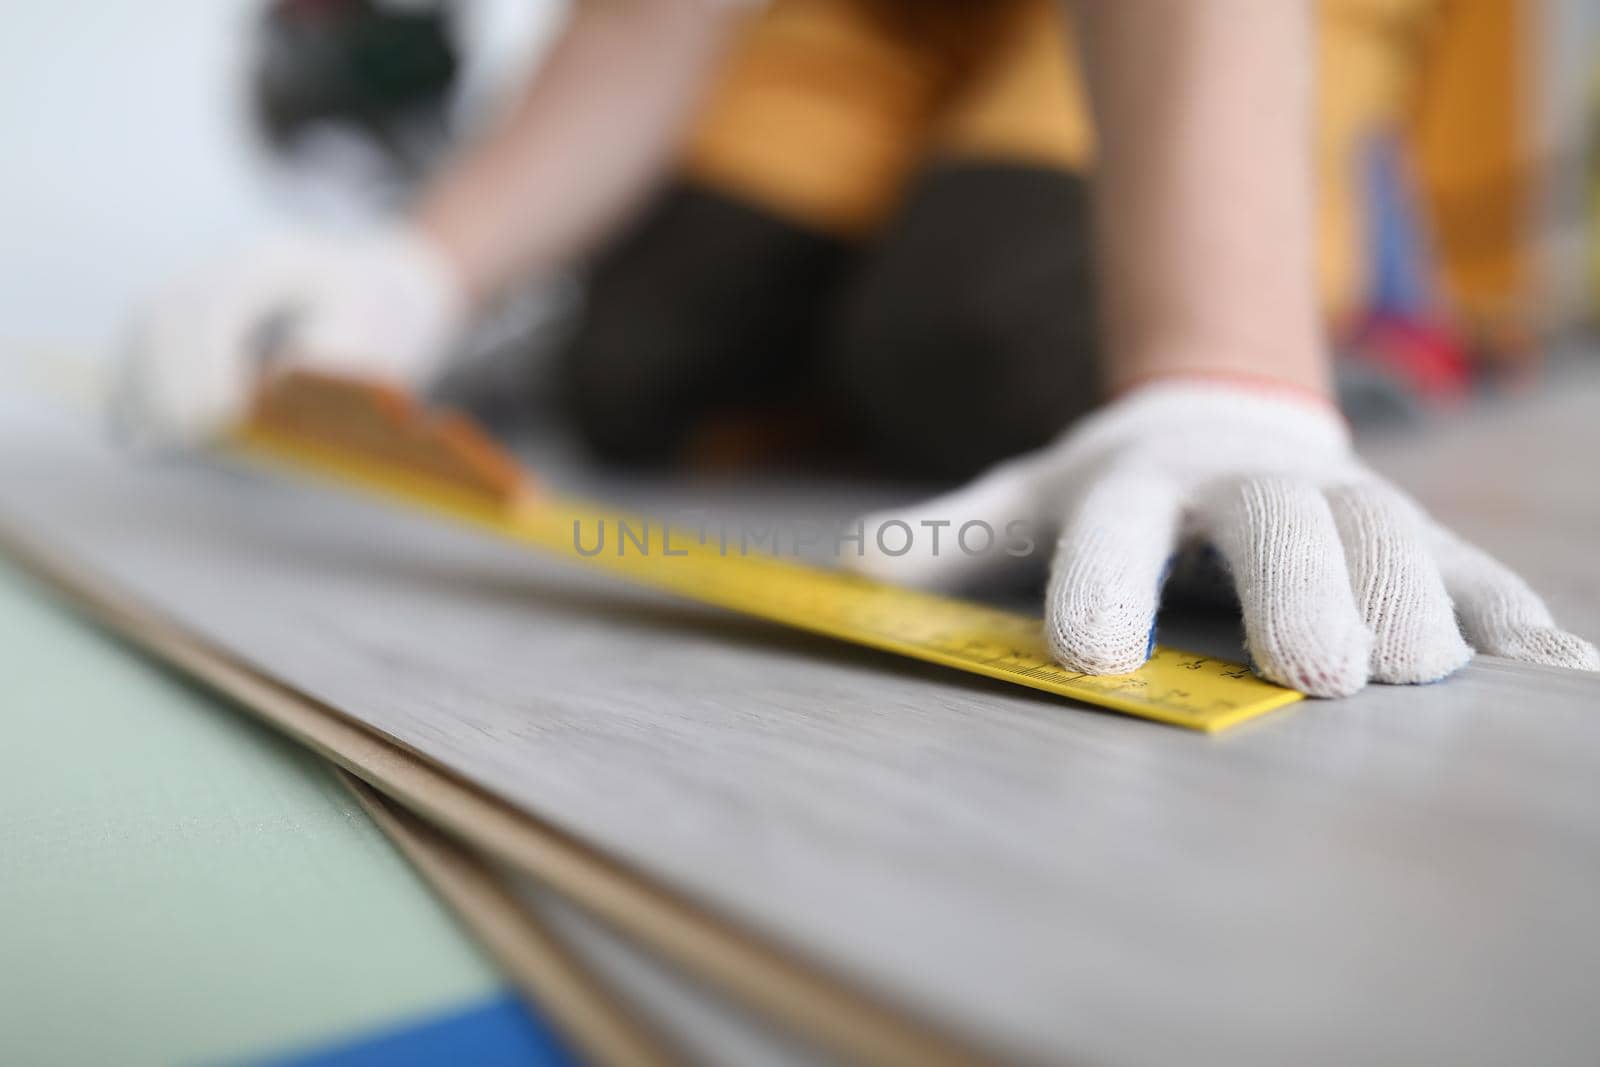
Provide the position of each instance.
(477, 486)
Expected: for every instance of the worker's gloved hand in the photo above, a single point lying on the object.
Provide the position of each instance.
(1341, 577)
(384, 305)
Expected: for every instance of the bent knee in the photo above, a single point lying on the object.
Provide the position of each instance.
(971, 335)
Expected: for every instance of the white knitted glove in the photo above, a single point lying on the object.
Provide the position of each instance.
(382, 305)
(1341, 577)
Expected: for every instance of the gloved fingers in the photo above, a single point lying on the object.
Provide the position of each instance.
(1105, 579)
(387, 307)
(954, 540)
(1500, 614)
(191, 360)
(1302, 626)
(171, 389)
(385, 304)
(1398, 589)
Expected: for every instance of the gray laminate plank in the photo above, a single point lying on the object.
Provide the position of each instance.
(1406, 876)
(704, 1027)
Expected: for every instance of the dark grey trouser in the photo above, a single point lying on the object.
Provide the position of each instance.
(961, 335)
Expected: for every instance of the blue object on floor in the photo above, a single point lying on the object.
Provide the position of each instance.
(500, 1032)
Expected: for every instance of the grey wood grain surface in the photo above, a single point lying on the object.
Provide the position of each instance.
(1406, 876)
(701, 1026)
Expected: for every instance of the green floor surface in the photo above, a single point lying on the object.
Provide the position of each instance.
(177, 883)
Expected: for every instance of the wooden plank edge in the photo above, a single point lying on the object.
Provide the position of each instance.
(800, 995)
(536, 961)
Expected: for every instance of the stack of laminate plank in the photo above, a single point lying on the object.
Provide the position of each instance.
(723, 822)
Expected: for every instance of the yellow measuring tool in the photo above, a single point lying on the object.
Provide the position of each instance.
(376, 439)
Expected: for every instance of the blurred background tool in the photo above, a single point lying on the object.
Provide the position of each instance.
(381, 76)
